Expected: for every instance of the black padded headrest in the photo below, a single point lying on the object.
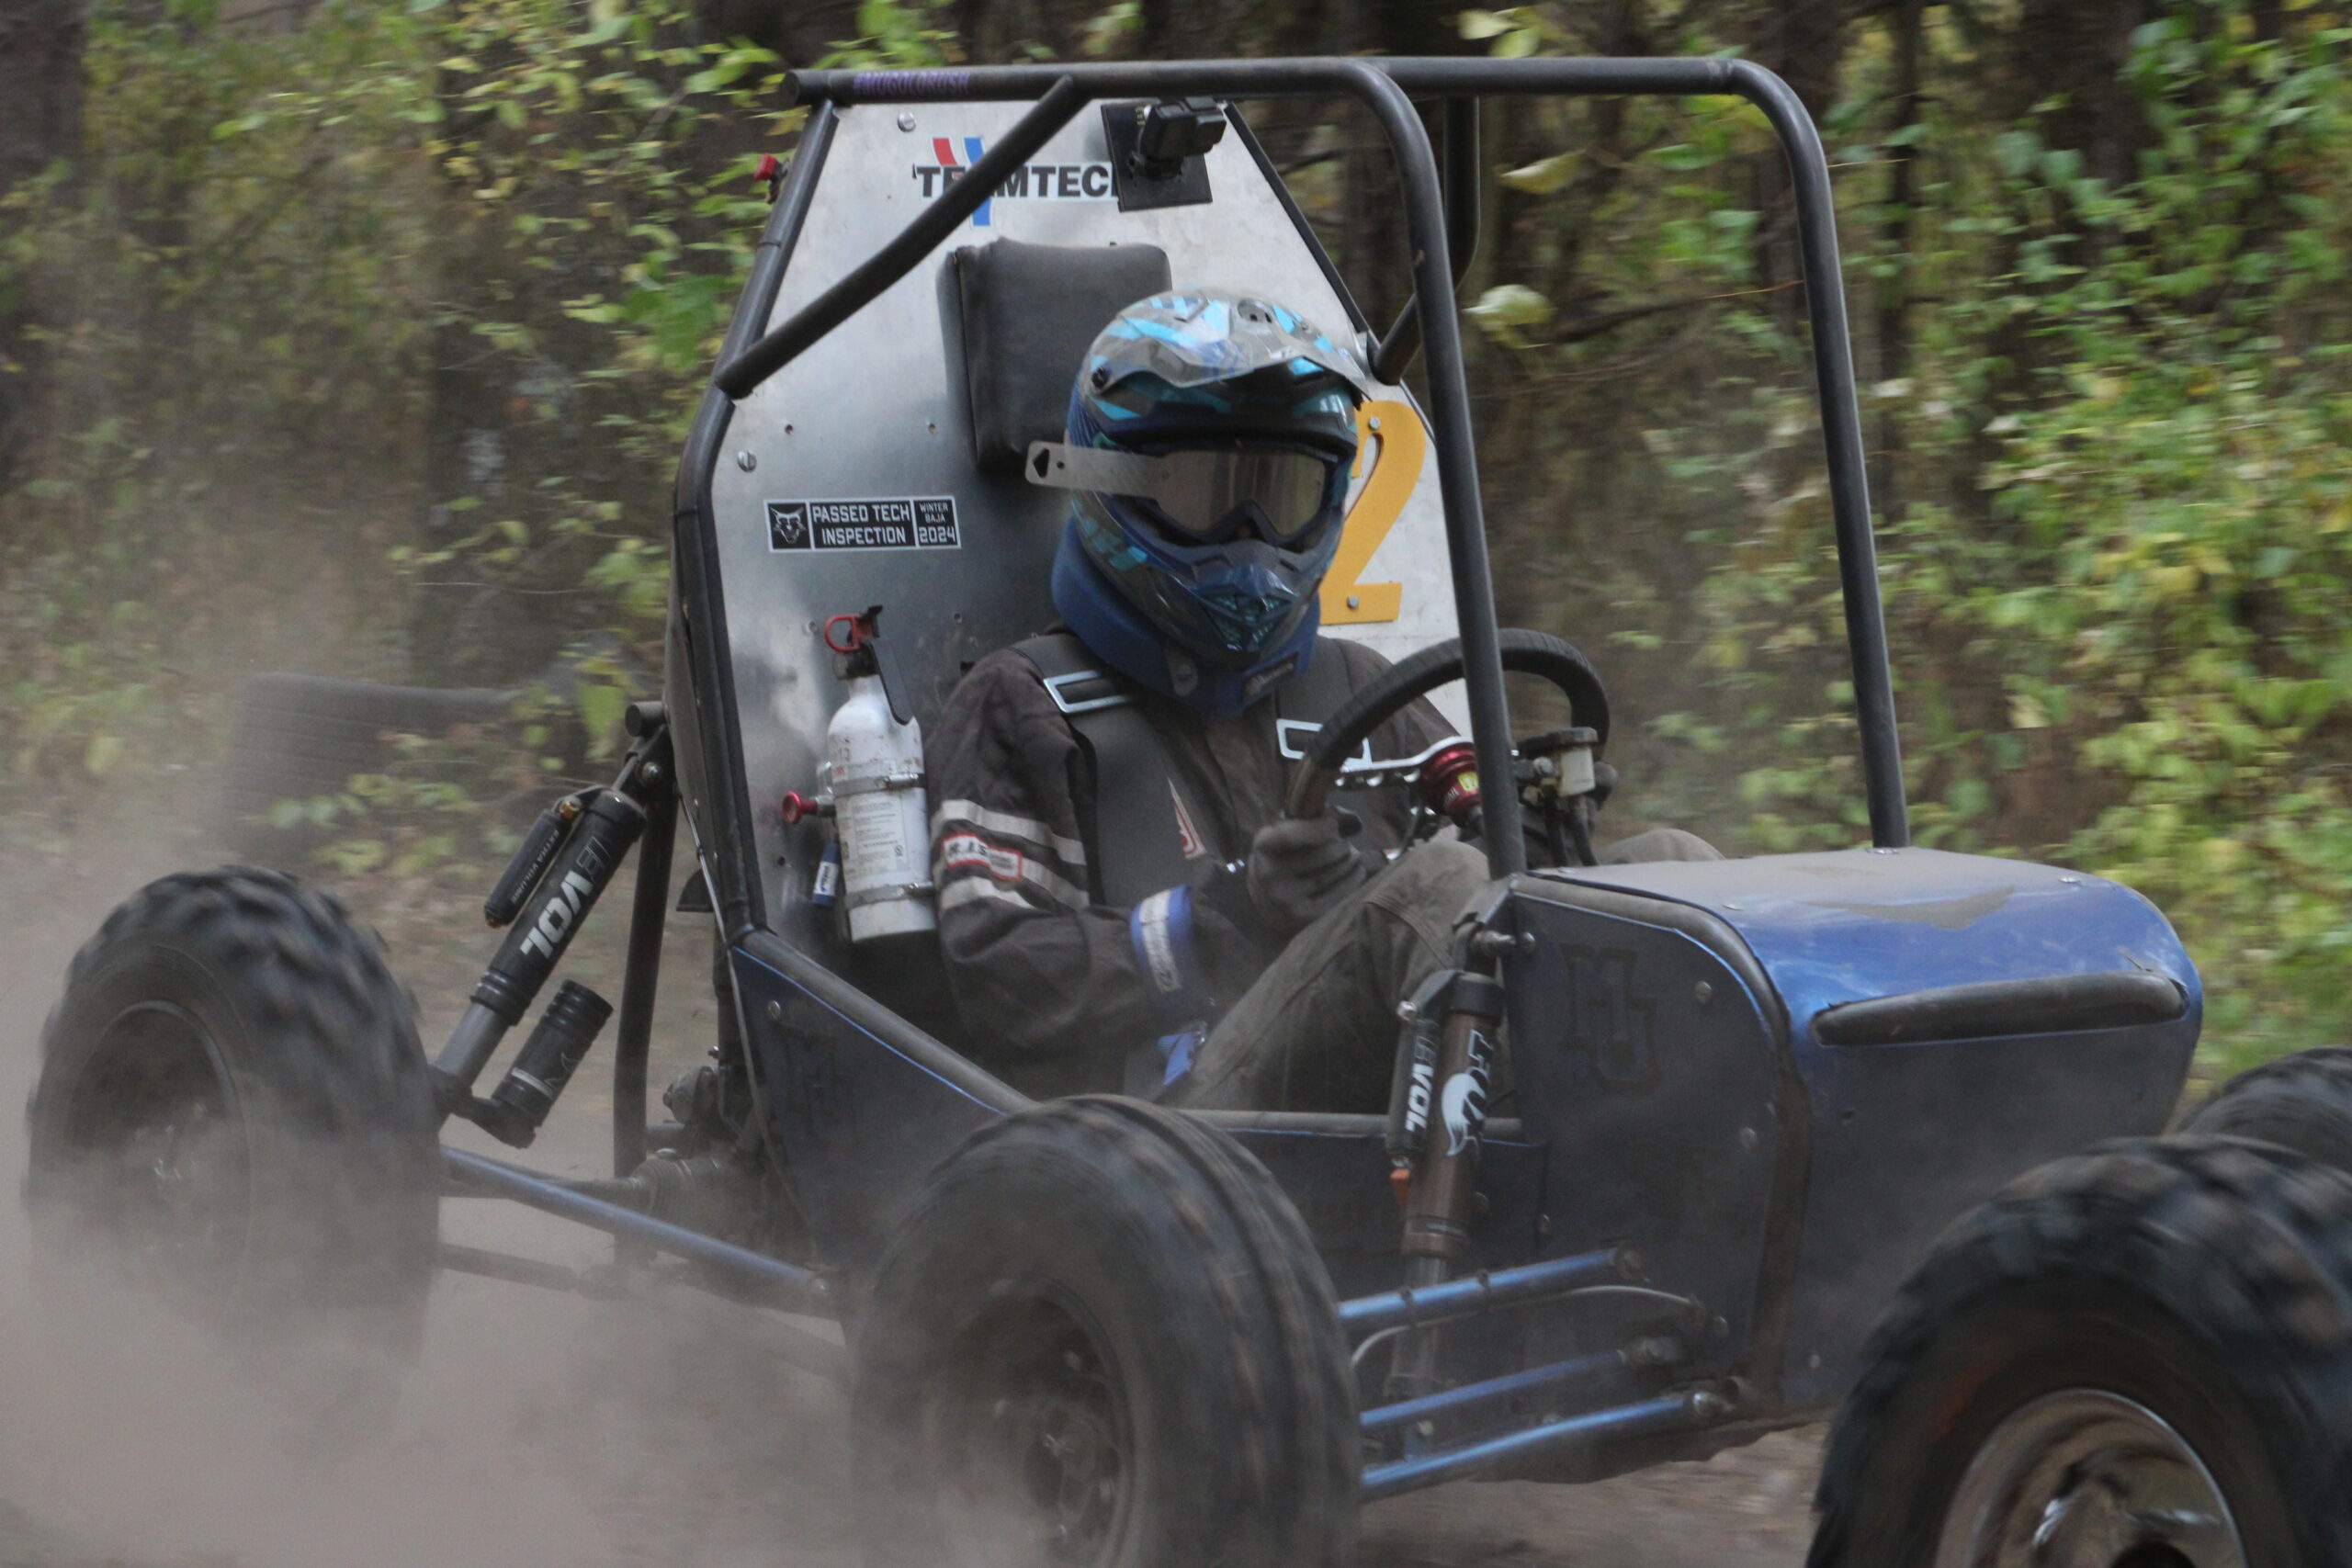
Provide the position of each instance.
(1030, 314)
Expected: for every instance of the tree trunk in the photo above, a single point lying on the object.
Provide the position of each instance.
(40, 123)
(1894, 314)
(1804, 41)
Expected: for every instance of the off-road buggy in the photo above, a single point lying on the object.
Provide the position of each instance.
(1751, 1098)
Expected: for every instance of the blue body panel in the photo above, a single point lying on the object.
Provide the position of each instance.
(1856, 924)
(1881, 1147)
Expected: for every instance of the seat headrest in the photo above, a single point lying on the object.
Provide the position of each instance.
(1030, 312)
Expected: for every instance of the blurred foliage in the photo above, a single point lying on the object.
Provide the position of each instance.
(2114, 508)
(2098, 310)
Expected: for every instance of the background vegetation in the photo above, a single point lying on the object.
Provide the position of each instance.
(357, 336)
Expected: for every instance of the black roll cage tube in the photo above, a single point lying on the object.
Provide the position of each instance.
(1441, 219)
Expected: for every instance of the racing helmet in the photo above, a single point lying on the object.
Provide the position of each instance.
(1210, 434)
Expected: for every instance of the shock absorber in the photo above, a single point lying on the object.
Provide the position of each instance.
(518, 1107)
(1437, 1120)
(1436, 1209)
(586, 853)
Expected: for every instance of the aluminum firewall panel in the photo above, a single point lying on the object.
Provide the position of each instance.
(870, 425)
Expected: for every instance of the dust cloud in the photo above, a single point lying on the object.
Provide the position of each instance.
(534, 1428)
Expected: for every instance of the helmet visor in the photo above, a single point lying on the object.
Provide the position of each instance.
(1206, 492)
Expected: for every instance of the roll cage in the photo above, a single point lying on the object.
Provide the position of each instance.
(1441, 222)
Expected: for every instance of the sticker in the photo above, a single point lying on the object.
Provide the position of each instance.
(1187, 837)
(1462, 1103)
(873, 838)
(969, 852)
(1403, 444)
(1417, 1098)
(1031, 182)
(898, 523)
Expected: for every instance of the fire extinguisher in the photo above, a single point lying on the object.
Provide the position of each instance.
(874, 785)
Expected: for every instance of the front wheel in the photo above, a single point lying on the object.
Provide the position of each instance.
(233, 1100)
(1102, 1338)
(2139, 1357)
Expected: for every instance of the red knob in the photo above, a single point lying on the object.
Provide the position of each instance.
(795, 807)
(1449, 783)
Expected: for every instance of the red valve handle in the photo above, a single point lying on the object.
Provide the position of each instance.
(797, 809)
(860, 629)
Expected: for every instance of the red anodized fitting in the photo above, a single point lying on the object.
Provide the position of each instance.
(1449, 782)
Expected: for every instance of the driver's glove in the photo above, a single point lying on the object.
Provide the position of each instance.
(1302, 867)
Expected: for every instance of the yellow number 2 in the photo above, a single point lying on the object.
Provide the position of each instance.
(1402, 445)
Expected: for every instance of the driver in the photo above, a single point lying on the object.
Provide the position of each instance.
(1122, 901)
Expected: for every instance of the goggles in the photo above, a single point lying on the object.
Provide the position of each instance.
(1207, 492)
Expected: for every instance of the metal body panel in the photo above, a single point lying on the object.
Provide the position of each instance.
(859, 1119)
(1647, 1060)
(1904, 1138)
(875, 411)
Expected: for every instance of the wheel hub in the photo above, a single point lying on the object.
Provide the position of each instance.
(1042, 1471)
(165, 1171)
(2087, 1479)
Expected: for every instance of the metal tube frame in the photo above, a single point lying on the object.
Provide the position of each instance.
(1666, 1414)
(781, 1284)
(1418, 1307)
(1383, 85)
(641, 970)
(1395, 354)
(1600, 1368)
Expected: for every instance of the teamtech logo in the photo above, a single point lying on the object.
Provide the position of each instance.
(1031, 182)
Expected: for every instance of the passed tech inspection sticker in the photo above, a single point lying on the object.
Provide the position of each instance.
(893, 522)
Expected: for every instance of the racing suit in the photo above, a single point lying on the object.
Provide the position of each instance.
(1046, 976)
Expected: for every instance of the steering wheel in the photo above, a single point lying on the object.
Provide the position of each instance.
(1326, 756)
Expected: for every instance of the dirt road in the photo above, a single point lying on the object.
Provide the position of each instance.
(541, 1430)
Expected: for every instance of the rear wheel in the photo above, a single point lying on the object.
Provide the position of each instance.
(2139, 1357)
(2301, 1102)
(233, 1099)
(1102, 1338)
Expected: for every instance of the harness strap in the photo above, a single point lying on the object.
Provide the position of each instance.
(1308, 698)
(1134, 846)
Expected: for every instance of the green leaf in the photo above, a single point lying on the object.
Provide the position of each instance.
(2015, 152)
(1544, 177)
(1503, 309)
(600, 712)
(1485, 24)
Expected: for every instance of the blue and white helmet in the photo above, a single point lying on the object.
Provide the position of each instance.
(1210, 436)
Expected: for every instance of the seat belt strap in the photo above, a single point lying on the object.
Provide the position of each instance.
(1133, 845)
(1304, 702)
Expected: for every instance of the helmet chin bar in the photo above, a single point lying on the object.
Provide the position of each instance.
(1119, 634)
